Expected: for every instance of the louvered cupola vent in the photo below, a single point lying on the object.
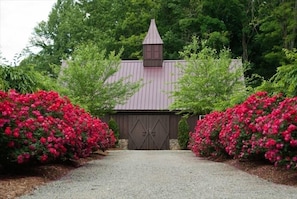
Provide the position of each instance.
(152, 47)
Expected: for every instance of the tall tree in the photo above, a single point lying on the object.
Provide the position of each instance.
(22, 79)
(277, 30)
(109, 24)
(177, 22)
(256, 30)
(58, 36)
(284, 81)
(207, 82)
(85, 79)
(135, 25)
(249, 17)
(187, 19)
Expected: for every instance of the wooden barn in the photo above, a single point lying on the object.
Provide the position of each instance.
(145, 121)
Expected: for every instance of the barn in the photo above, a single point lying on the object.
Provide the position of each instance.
(145, 121)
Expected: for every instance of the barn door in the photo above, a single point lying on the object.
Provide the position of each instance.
(148, 132)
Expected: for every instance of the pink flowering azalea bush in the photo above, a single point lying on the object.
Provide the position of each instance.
(279, 134)
(262, 127)
(204, 141)
(239, 131)
(44, 127)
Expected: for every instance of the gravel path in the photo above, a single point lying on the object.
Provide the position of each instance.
(127, 174)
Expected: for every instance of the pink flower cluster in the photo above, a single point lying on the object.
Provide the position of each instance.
(260, 127)
(279, 134)
(239, 131)
(204, 141)
(44, 127)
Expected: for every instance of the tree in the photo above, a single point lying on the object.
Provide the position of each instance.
(85, 79)
(244, 25)
(109, 24)
(58, 36)
(285, 78)
(24, 79)
(277, 30)
(188, 18)
(284, 81)
(207, 81)
(2, 82)
(18, 79)
(256, 30)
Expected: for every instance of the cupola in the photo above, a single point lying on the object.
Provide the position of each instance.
(152, 47)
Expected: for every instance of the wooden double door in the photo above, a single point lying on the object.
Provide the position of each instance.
(148, 132)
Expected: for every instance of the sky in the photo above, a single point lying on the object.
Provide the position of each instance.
(17, 21)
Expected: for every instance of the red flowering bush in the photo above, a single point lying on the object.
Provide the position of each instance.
(235, 131)
(239, 133)
(44, 127)
(279, 134)
(261, 127)
(205, 140)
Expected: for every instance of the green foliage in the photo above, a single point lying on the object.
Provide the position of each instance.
(18, 79)
(208, 81)
(24, 76)
(2, 82)
(217, 40)
(43, 64)
(112, 124)
(134, 25)
(183, 133)
(25, 79)
(85, 79)
(284, 81)
(257, 31)
(276, 30)
(57, 37)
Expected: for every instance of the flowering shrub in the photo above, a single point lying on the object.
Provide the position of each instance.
(44, 127)
(279, 134)
(239, 132)
(260, 127)
(234, 131)
(204, 141)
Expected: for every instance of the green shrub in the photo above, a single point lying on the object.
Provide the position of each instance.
(183, 133)
(24, 79)
(18, 79)
(115, 128)
(284, 81)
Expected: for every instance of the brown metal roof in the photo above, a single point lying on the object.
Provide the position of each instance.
(158, 81)
(152, 36)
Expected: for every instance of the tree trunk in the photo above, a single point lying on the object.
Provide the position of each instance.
(244, 47)
(292, 45)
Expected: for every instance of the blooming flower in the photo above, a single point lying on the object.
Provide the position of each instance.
(20, 159)
(49, 127)
(42, 140)
(43, 158)
(7, 131)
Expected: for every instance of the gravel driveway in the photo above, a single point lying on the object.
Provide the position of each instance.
(159, 174)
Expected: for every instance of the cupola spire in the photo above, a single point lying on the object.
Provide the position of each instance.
(152, 47)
